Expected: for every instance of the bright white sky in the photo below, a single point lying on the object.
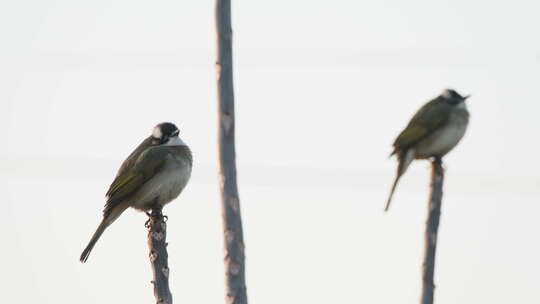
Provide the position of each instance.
(322, 89)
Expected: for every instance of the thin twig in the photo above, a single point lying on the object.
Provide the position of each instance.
(432, 229)
(232, 221)
(157, 235)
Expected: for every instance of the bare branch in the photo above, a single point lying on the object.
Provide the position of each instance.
(232, 220)
(432, 230)
(157, 235)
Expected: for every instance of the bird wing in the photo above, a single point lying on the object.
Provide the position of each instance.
(147, 164)
(429, 118)
(134, 156)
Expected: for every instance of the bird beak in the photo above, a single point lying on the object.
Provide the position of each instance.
(466, 97)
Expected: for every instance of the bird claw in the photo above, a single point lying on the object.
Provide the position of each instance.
(148, 222)
(151, 216)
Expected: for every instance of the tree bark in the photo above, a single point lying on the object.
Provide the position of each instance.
(232, 220)
(432, 229)
(157, 235)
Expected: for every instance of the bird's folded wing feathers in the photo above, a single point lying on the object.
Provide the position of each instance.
(428, 119)
(134, 156)
(129, 181)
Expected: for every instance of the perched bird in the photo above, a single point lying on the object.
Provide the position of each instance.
(153, 175)
(432, 132)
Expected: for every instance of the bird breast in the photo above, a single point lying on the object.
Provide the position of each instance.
(165, 186)
(446, 138)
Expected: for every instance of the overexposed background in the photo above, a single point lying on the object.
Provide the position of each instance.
(322, 89)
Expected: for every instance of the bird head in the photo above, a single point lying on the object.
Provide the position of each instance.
(165, 133)
(452, 97)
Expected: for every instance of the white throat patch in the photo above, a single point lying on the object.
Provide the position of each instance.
(175, 141)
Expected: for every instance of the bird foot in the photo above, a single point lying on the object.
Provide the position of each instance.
(148, 222)
(152, 216)
(437, 160)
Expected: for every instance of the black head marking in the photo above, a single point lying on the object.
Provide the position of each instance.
(163, 131)
(452, 97)
(168, 129)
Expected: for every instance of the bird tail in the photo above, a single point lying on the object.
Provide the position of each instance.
(99, 231)
(392, 193)
(404, 160)
(106, 222)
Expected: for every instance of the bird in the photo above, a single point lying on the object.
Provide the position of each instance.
(153, 175)
(435, 129)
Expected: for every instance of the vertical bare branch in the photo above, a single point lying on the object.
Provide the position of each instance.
(432, 230)
(157, 235)
(232, 220)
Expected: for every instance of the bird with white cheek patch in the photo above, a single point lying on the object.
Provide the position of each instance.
(432, 132)
(153, 175)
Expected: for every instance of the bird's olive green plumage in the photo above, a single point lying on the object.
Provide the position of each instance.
(148, 163)
(145, 166)
(153, 175)
(433, 131)
(427, 120)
